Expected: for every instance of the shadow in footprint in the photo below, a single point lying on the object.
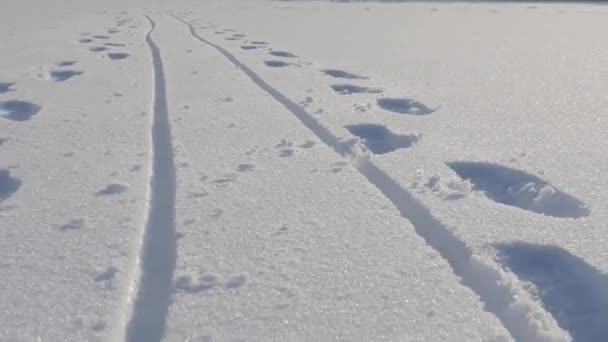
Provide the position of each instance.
(85, 40)
(245, 167)
(18, 110)
(248, 47)
(282, 54)
(519, 189)
(276, 64)
(112, 189)
(63, 75)
(100, 36)
(98, 48)
(117, 55)
(115, 44)
(258, 43)
(347, 89)
(404, 106)
(343, 74)
(5, 87)
(570, 289)
(74, 224)
(66, 63)
(8, 185)
(380, 139)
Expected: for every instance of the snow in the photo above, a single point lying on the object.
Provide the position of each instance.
(303, 170)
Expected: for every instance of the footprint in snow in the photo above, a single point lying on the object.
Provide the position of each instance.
(337, 73)
(245, 167)
(5, 87)
(65, 63)
(348, 89)
(519, 189)
(117, 55)
(98, 48)
(282, 54)
(381, 140)
(100, 36)
(63, 75)
(8, 184)
(571, 289)
(85, 40)
(248, 47)
(276, 64)
(16, 110)
(74, 224)
(404, 106)
(112, 189)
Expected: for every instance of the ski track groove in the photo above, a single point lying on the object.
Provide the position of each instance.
(151, 284)
(500, 294)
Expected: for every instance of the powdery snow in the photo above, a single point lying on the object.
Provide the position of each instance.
(303, 170)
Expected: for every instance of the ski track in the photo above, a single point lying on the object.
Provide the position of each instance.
(500, 293)
(150, 289)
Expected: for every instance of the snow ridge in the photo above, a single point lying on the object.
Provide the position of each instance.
(152, 283)
(501, 293)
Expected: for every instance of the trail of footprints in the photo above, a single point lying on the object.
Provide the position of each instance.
(534, 263)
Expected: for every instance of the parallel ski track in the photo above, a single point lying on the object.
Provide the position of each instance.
(150, 289)
(498, 293)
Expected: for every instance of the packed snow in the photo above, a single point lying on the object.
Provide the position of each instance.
(256, 170)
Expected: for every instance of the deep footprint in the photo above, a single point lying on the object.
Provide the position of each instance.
(5, 87)
(573, 291)
(283, 54)
(117, 55)
(63, 75)
(343, 74)
(8, 185)
(347, 89)
(404, 106)
(66, 63)
(380, 139)
(519, 189)
(18, 110)
(276, 64)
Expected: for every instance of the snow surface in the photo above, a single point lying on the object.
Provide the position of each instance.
(295, 171)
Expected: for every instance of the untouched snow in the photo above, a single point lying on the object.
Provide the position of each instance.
(294, 171)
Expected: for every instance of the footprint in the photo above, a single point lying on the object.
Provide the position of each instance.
(97, 48)
(85, 40)
(65, 63)
(381, 140)
(245, 167)
(343, 74)
(404, 106)
(18, 110)
(100, 36)
(248, 47)
(231, 38)
(276, 64)
(225, 180)
(283, 54)
(5, 87)
(258, 42)
(8, 185)
(347, 89)
(285, 153)
(107, 275)
(112, 189)
(63, 75)
(115, 44)
(571, 289)
(113, 31)
(308, 144)
(519, 189)
(74, 224)
(215, 213)
(205, 281)
(117, 55)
